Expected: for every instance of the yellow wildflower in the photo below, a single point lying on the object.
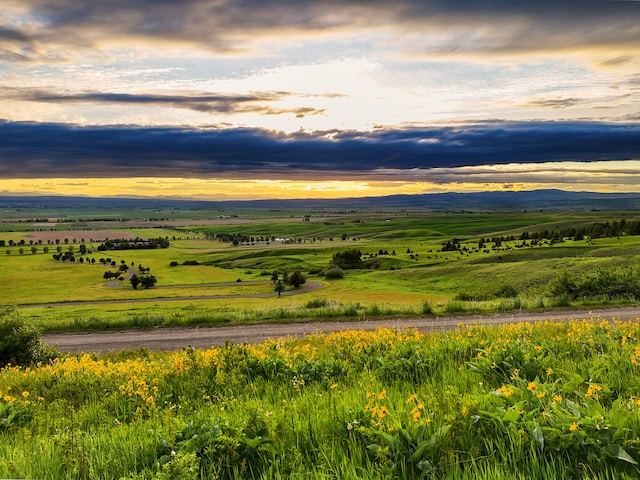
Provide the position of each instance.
(25, 394)
(334, 386)
(382, 412)
(549, 371)
(412, 398)
(532, 386)
(593, 388)
(573, 427)
(383, 394)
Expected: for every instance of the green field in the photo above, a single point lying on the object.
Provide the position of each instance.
(552, 400)
(404, 271)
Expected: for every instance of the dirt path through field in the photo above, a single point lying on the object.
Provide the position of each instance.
(171, 338)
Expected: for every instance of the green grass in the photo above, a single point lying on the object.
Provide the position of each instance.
(551, 400)
(388, 284)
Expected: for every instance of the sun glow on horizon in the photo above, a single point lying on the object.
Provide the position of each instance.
(570, 176)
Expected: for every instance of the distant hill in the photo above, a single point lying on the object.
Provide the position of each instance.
(481, 201)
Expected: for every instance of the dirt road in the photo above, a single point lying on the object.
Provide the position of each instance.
(175, 338)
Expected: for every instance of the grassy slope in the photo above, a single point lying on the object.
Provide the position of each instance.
(401, 281)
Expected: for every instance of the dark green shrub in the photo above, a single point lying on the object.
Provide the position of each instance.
(427, 309)
(317, 303)
(334, 273)
(20, 342)
(506, 291)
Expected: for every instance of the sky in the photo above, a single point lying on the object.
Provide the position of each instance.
(221, 99)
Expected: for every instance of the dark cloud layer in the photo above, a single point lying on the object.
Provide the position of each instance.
(218, 103)
(231, 26)
(31, 150)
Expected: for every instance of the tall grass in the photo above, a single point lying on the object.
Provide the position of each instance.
(549, 400)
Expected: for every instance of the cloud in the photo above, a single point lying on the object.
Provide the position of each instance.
(33, 150)
(555, 102)
(240, 27)
(217, 103)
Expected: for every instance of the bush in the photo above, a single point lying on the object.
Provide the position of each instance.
(334, 273)
(20, 342)
(317, 303)
(507, 291)
(427, 309)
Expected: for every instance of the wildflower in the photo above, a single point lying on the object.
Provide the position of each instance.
(416, 414)
(382, 412)
(383, 394)
(538, 348)
(334, 386)
(505, 390)
(25, 394)
(573, 427)
(532, 386)
(549, 371)
(494, 365)
(150, 400)
(541, 395)
(412, 398)
(592, 390)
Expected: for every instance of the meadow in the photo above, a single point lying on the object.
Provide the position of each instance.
(548, 400)
(215, 265)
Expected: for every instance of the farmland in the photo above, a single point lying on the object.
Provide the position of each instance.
(217, 270)
(545, 400)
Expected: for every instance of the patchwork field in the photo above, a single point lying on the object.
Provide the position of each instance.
(411, 263)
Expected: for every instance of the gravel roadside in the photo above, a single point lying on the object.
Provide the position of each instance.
(176, 338)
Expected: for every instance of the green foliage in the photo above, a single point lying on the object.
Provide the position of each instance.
(20, 342)
(601, 282)
(547, 400)
(135, 280)
(334, 273)
(351, 258)
(296, 279)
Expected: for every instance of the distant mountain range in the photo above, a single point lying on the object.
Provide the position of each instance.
(481, 201)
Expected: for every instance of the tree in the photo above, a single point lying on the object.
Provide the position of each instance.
(279, 287)
(296, 279)
(135, 281)
(351, 258)
(148, 281)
